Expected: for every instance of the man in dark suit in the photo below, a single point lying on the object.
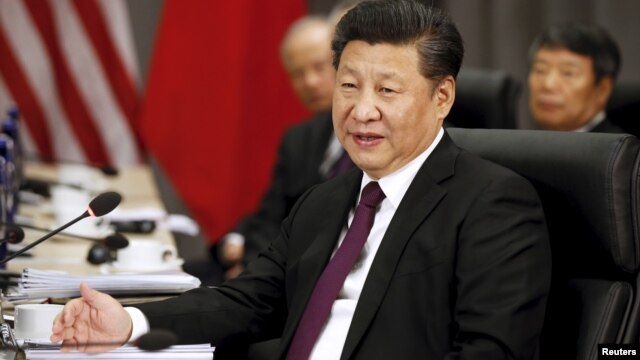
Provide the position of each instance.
(572, 70)
(445, 255)
(308, 153)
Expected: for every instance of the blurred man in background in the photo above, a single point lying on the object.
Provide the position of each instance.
(306, 56)
(572, 73)
(308, 154)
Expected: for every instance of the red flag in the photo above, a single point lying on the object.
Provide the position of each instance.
(70, 66)
(217, 103)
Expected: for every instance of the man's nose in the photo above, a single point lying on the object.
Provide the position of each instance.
(366, 108)
(311, 79)
(550, 79)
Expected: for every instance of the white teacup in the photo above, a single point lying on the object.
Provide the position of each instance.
(69, 203)
(83, 176)
(34, 321)
(144, 254)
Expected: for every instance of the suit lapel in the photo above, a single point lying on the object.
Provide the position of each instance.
(421, 198)
(321, 135)
(313, 261)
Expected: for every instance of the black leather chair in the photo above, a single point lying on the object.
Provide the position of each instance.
(590, 188)
(624, 93)
(485, 99)
(624, 107)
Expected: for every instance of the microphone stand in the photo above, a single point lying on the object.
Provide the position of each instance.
(9, 349)
(26, 248)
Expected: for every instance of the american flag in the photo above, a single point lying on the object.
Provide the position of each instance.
(70, 66)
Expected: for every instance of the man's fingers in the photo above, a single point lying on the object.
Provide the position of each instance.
(65, 335)
(66, 319)
(71, 311)
(95, 298)
(57, 323)
(69, 345)
(88, 294)
(68, 333)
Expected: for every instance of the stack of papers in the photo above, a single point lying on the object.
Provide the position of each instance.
(36, 284)
(184, 352)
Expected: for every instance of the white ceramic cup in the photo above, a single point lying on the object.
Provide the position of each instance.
(34, 321)
(68, 204)
(83, 176)
(146, 254)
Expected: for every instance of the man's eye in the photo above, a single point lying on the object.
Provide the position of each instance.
(539, 71)
(348, 85)
(385, 90)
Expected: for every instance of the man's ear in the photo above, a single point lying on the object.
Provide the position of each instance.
(444, 95)
(604, 89)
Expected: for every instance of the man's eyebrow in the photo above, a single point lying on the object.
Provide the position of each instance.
(564, 62)
(382, 75)
(571, 63)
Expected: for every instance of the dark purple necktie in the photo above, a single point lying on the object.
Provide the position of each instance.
(334, 274)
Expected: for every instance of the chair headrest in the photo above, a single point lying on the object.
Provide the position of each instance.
(485, 99)
(588, 184)
(624, 93)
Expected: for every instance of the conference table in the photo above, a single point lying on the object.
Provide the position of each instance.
(137, 186)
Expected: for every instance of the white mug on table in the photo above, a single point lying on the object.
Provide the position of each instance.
(34, 321)
(146, 254)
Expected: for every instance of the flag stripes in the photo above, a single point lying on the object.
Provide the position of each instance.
(16, 80)
(71, 72)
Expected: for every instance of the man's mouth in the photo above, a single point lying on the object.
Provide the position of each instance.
(367, 138)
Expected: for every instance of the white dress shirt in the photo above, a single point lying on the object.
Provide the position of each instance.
(592, 123)
(333, 335)
(394, 186)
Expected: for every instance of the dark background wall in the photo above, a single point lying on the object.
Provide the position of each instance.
(497, 33)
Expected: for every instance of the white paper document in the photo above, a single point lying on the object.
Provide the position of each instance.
(200, 351)
(35, 284)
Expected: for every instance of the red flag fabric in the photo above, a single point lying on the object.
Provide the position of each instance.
(71, 68)
(218, 101)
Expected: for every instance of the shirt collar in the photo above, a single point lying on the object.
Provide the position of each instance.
(593, 123)
(395, 185)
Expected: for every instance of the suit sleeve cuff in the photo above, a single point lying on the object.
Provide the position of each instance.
(234, 239)
(139, 322)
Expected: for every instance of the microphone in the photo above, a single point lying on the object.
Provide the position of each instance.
(101, 205)
(105, 251)
(105, 169)
(134, 226)
(13, 234)
(42, 187)
(118, 240)
(102, 251)
(156, 340)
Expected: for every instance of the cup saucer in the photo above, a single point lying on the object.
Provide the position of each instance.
(25, 342)
(116, 267)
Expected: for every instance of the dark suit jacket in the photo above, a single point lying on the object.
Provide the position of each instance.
(297, 169)
(626, 117)
(607, 126)
(462, 272)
